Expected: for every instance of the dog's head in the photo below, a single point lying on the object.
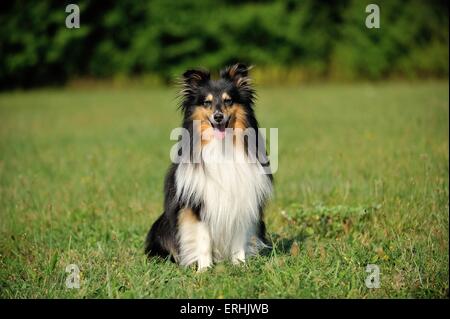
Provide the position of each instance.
(223, 103)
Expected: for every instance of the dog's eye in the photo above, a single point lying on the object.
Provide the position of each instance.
(227, 102)
(207, 103)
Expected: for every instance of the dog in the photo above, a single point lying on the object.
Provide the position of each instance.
(213, 207)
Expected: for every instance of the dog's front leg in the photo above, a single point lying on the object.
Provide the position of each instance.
(204, 249)
(238, 248)
(194, 240)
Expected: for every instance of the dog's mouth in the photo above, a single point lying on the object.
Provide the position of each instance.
(220, 129)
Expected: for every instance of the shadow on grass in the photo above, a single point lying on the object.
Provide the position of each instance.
(318, 221)
(282, 244)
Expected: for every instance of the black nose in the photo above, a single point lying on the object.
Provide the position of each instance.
(218, 117)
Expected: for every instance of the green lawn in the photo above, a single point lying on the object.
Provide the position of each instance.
(362, 179)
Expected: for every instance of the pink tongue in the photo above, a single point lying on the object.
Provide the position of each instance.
(219, 134)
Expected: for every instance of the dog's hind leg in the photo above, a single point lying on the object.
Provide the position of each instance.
(194, 241)
(161, 240)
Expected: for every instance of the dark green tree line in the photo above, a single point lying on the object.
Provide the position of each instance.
(324, 39)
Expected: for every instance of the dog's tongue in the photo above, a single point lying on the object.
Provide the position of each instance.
(219, 134)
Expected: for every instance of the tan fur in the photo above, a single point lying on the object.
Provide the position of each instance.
(201, 114)
(237, 113)
(238, 123)
(225, 96)
(187, 216)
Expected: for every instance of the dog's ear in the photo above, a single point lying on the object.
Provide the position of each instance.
(237, 73)
(189, 83)
(195, 78)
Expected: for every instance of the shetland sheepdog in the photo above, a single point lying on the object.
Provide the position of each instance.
(213, 206)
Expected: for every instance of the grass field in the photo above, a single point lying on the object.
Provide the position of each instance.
(362, 179)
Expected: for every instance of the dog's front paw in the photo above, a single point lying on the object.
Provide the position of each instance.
(202, 269)
(238, 257)
(204, 263)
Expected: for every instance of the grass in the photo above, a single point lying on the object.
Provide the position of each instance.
(362, 179)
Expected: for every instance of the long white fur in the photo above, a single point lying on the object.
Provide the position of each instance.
(230, 192)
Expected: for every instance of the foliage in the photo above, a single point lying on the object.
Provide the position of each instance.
(309, 38)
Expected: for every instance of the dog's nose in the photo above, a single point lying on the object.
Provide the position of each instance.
(218, 117)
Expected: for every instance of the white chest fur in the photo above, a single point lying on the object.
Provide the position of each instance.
(230, 192)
